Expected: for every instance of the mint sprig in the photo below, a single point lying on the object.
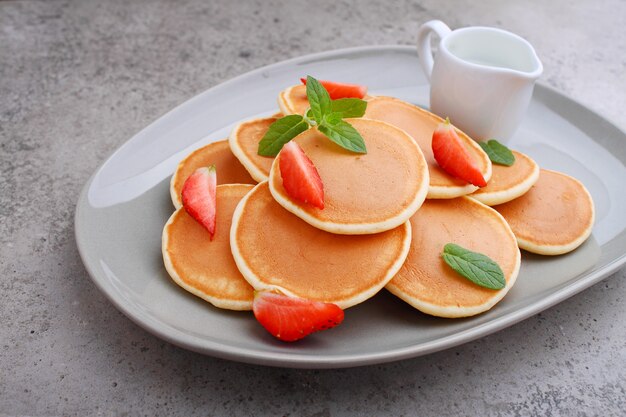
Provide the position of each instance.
(324, 113)
(478, 268)
(498, 153)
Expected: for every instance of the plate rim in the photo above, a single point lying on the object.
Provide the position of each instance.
(288, 359)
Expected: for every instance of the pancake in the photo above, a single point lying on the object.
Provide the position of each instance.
(276, 250)
(203, 267)
(427, 283)
(508, 182)
(244, 143)
(421, 124)
(293, 100)
(554, 217)
(363, 193)
(229, 169)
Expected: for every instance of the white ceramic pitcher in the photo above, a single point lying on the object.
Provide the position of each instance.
(482, 78)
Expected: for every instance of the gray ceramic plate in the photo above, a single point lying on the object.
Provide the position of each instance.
(123, 208)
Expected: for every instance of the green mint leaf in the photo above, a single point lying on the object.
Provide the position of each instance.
(333, 118)
(319, 100)
(478, 268)
(349, 107)
(344, 135)
(281, 132)
(498, 153)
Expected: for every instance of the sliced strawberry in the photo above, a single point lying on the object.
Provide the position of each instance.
(342, 90)
(199, 197)
(291, 318)
(453, 157)
(300, 177)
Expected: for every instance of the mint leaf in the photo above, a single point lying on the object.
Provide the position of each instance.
(344, 135)
(333, 118)
(478, 268)
(319, 100)
(498, 153)
(281, 132)
(349, 107)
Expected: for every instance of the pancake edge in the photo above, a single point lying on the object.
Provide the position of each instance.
(237, 150)
(358, 228)
(176, 200)
(442, 192)
(459, 312)
(552, 250)
(258, 285)
(217, 302)
(504, 196)
(284, 104)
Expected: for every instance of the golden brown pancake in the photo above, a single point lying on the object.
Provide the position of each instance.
(363, 193)
(421, 124)
(244, 143)
(276, 250)
(427, 283)
(206, 267)
(554, 217)
(508, 182)
(293, 100)
(229, 169)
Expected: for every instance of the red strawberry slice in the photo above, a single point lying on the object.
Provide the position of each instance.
(300, 177)
(453, 157)
(291, 318)
(199, 198)
(342, 90)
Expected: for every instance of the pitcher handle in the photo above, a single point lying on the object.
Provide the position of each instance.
(424, 50)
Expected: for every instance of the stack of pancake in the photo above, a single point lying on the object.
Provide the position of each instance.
(387, 216)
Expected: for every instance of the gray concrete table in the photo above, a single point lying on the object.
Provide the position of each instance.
(77, 79)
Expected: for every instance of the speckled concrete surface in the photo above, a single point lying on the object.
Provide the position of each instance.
(77, 79)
